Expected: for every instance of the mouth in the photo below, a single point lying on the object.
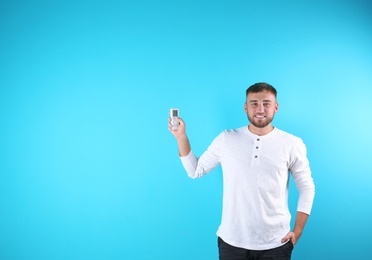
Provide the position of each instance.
(259, 117)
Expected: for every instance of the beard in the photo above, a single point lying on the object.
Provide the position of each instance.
(260, 123)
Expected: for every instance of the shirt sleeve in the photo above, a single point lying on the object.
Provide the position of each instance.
(302, 177)
(210, 159)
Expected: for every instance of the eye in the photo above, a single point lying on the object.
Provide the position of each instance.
(266, 104)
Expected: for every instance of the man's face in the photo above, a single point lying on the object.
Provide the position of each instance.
(260, 108)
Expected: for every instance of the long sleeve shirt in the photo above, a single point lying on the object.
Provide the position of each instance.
(256, 171)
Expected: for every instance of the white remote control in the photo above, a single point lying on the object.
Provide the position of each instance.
(174, 113)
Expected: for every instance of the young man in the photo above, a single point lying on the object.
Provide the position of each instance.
(256, 162)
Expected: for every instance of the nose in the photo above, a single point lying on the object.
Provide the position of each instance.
(260, 108)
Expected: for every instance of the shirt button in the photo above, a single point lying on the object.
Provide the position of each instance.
(256, 147)
(255, 156)
(258, 139)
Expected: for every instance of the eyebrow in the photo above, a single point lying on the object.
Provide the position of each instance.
(262, 101)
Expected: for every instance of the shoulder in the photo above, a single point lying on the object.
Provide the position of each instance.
(234, 136)
(235, 132)
(288, 137)
(293, 144)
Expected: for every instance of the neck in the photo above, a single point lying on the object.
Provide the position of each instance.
(260, 131)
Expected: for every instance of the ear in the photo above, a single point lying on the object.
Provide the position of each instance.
(276, 108)
(245, 108)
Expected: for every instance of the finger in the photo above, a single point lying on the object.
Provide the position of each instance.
(286, 238)
(180, 121)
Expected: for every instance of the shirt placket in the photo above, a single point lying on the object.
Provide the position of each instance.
(256, 151)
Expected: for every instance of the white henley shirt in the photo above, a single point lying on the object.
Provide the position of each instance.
(256, 172)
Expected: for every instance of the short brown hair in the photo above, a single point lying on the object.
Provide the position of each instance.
(259, 87)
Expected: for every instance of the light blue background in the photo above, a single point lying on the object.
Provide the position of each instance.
(88, 168)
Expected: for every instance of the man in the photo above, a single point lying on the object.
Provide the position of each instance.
(256, 162)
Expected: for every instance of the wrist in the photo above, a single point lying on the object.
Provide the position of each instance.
(297, 233)
(181, 138)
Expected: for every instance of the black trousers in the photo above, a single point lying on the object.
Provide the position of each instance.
(229, 252)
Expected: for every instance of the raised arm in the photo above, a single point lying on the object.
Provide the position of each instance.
(184, 147)
(194, 166)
